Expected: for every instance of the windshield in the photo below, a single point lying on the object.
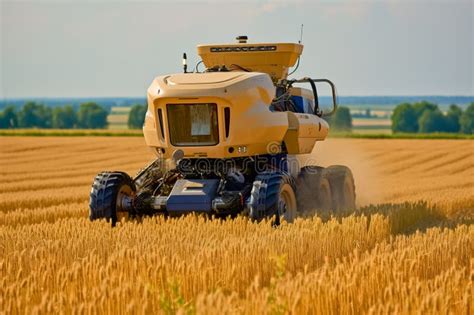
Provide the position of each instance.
(193, 124)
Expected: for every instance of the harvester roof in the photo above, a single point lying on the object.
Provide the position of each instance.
(272, 58)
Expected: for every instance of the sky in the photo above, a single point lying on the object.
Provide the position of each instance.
(74, 48)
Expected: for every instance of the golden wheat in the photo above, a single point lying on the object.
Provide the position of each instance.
(413, 255)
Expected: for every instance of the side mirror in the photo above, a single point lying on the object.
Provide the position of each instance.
(334, 96)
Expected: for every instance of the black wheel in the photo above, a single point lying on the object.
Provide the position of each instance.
(342, 187)
(313, 190)
(111, 196)
(273, 194)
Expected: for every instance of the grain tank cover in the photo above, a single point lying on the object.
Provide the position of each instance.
(272, 58)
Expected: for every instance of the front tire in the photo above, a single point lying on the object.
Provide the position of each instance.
(287, 206)
(110, 196)
(273, 194)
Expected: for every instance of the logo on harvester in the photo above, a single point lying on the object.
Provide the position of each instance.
(273, 147)
(243, 48)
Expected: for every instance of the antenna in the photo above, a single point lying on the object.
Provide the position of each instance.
(185, 63)
(301, 34)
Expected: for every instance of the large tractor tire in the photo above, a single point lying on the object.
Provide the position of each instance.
(273, 194)
(110, 191)
(314, 191)
(342, 187)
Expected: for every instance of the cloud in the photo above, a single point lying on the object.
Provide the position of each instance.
(271, 6)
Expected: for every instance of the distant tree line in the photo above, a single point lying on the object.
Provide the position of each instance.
(421, 117)
(341, 120)
(136, 117)
(367, 113)
(89, 115)
(425, 117)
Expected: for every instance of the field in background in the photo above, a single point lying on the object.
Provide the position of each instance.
(52, 258)
(372, 125)
(380, 122)
(118, 118)
(72, 132)
(361, 134)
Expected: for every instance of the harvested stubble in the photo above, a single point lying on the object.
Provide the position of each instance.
(53, 260)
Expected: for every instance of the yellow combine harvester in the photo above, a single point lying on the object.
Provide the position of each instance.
(227, 139)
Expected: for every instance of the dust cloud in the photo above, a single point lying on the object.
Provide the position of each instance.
(349, 153)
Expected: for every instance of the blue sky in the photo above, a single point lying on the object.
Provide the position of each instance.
(115, 48)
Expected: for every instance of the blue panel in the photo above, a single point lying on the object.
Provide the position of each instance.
(190, 195)
(299, 103)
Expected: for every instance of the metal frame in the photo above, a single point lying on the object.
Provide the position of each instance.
(315, 92)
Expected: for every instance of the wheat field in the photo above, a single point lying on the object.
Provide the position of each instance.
(408, 249)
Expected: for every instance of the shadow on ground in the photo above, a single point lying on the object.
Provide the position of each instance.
(407, 217)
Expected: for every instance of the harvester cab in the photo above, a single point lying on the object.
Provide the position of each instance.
(226, 141)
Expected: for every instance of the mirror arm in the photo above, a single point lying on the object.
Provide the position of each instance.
(317, 112)
(315, 92)
(333, 91)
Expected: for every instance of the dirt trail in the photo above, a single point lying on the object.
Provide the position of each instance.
(437, 171)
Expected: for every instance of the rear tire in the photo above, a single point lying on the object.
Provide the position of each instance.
(107, 195)
(313, 190)
(273, 194)
(342, 187)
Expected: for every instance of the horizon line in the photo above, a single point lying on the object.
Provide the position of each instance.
(144, 96)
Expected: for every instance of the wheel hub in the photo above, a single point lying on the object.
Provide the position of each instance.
(124, 203)
(287, 203)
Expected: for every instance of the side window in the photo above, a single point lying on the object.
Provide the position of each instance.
(309, 106)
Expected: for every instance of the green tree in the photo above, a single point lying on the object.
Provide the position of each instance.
(467, 120)
(33, 115)
(422, 106)
(404, 118)
(342, 119)
(137, 116)
(368, 113)
(64, 117)
(91, 116)
(453, 117)
(432, 121)
(8, 118)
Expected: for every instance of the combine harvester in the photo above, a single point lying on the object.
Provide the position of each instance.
(227, 141)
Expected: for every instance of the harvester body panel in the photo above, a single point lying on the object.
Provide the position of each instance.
(250, 128)
(272, 58)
